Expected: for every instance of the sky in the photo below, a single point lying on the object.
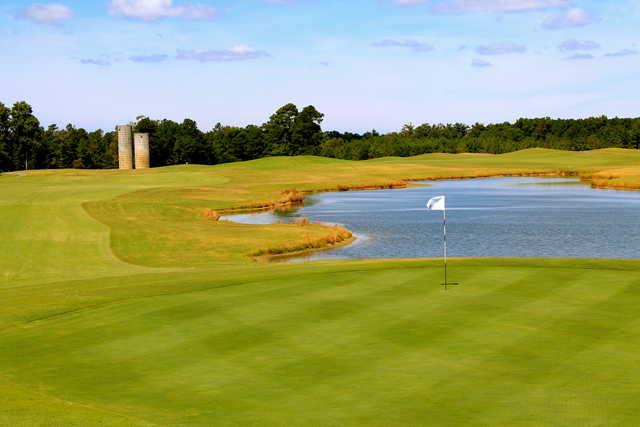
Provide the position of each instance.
(366, 64)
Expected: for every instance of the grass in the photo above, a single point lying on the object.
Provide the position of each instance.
(618, 179)
(124, 304)
(338, 237)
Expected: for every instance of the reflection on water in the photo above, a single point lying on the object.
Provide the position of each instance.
(254, 218)
(502, 217)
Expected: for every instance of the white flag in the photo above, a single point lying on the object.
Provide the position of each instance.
(437, 203)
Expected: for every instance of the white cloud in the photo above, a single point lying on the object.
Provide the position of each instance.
(149, 59)
(621, 53)
(414, 45)
(481, 63)
(464, 6)
(51, 13)
(501, 49)
(579, 57)
(573, 44)
(575, 17)
(150, 10)
(236, 53)
(98, 62)
(407, 2)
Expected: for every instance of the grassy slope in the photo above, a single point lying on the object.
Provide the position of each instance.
(164, 218)
(154, 314)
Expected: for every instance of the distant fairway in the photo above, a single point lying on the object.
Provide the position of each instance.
(123, 305)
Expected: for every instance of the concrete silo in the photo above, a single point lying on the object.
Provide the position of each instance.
(141, 144)
(125, 147)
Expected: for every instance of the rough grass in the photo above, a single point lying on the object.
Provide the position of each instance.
(122, 304)
(618, 179)
(337, 236)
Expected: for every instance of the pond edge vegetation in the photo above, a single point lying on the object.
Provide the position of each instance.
(341, 236)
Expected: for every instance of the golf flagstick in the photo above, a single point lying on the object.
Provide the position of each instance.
(440, 204)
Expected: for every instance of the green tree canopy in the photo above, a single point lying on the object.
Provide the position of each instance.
(24, 134)
(279, 130)
(5, 137)
(289, 132)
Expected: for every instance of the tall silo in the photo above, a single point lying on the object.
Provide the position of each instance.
(141, 143)
(125, 147)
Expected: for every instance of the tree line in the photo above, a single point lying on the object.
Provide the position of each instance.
(24, 143)
(560, 134)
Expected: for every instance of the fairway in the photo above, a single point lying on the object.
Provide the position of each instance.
(124, 305)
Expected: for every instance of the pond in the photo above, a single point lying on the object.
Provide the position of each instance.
(497, 217)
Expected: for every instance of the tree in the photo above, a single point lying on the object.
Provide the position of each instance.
(224, 143)
(25, 134)
(110, 147)
(254, 143)
(408, 130)
(635, 134)
(146, 125)
(68, 146)
(290, 132)
(162, 143)
(371, 134)
(190, 145)
(90, 150)
(279, 129)
(5, 160)
(306, 134)
(51, 141)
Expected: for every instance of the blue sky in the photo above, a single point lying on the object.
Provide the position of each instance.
(365, 63)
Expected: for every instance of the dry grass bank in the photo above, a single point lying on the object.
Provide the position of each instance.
(616, 179)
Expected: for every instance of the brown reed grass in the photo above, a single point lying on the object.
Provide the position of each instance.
(616, 179)
(385, 186)
(301, 222)
(337, 236)
(211, 214)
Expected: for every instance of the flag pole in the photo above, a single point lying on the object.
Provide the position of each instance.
(444, 236)
(440, 204)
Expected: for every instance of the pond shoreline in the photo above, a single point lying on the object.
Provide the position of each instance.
(394, 206)
(295, 255)
(297, 201)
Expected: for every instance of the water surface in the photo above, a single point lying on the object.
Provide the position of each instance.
(497, 217)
